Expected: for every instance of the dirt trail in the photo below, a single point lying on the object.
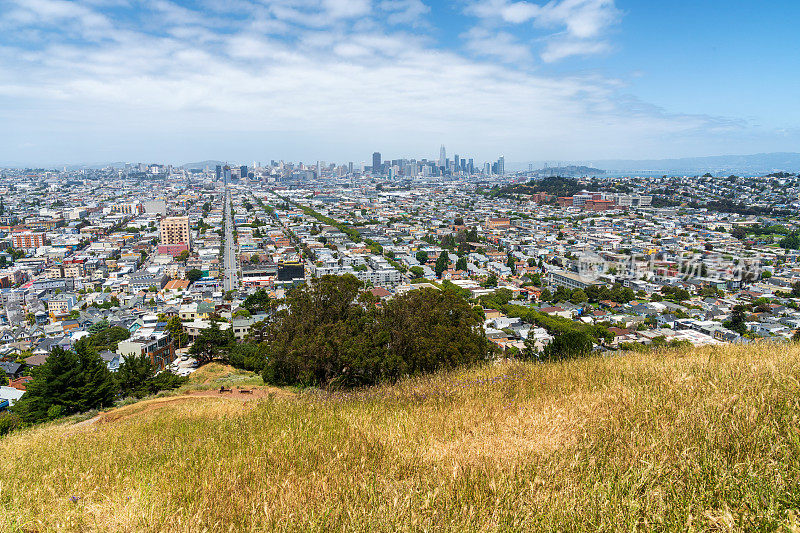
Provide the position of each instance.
(146, 406)
(237, 394)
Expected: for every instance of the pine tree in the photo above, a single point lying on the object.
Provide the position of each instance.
(442, 262)
(67, 383)
(132, 376)
(175, 328)
(210, 343)
(568, 345)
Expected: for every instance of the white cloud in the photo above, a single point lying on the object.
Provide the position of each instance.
(57, 13)
(500, 45)
(176, 14)
(347, 8)
(584, 19)
(579, 24)
(558, 49)
(518, 12)
(313, 91)
(404, 11)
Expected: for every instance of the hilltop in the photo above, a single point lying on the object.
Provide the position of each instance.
(722, 165)
(675, 440)
(551, 185)
(568, 170)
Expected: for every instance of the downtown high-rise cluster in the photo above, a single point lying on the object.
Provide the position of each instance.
(444, 166)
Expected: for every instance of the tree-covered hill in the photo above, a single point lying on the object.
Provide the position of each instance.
(552, 186)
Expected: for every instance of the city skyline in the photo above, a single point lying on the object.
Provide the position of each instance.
(563, 80)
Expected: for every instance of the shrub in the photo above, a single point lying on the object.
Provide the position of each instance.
(9, 422)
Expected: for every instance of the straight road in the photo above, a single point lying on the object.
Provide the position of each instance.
(231, 270)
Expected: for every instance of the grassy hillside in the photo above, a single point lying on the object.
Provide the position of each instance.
(675, 441)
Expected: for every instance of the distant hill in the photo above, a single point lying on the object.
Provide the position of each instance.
(570, 171)
(551, 185)
(717, 165)
(203, 164)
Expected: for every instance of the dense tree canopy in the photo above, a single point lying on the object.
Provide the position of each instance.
(211, 343)
(258, 302)
(568, 345)
(104, 338)
(137, 377)
(332, 334)
(67, 383)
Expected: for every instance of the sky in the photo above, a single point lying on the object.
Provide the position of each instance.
(253, 80)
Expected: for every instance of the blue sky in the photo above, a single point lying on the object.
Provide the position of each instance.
(245, 80)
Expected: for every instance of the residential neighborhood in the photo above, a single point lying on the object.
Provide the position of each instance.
(652, 260)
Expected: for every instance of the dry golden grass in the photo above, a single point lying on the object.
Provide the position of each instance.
(704, 440)
(211, 372)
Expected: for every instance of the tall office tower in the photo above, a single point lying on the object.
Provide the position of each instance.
(487, 168)
(243, 172)
(501, 166)
(175, 230)
(463, 165)
(455, 163)
(350, 167)
(471, 166)
(442, 157)
(226, 174)
(376, 162)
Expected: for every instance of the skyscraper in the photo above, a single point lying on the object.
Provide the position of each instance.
(376, 162)
(243, 172)
(442, 157)
(219, 172)
(501, 166)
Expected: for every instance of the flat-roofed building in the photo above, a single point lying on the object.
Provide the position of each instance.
(155, 344)
(28, 240)
(570, 280)
(175, 231)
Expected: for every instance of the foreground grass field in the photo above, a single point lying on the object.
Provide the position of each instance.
(692, 440)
